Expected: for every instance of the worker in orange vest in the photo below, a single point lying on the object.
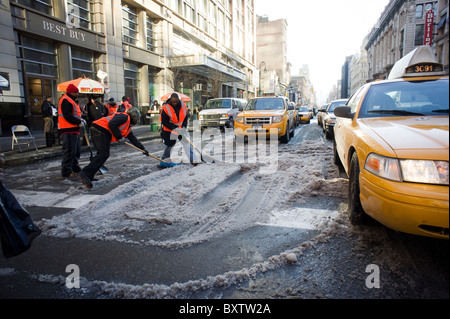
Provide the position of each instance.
(111, 106)
(69, 124)
(104, 131)
(174, 120)
(125, 106)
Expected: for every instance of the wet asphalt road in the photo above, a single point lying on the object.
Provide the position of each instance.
(328, 266)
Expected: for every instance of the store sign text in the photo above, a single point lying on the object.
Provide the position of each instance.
(61, 30)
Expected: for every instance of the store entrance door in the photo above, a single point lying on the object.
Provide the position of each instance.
(38, 90)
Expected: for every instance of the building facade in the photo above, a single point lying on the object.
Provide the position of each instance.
(271, 52)
(301, 90)
(143, 48)
(400, 29)
(358, 69)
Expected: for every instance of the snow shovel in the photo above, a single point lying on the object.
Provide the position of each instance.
(151, 155)
(201, 155)
(103, 169)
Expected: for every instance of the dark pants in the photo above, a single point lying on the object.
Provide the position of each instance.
(71, 150)
(102, 143)
(170, 142)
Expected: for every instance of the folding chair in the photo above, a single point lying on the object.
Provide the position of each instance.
(22, 135)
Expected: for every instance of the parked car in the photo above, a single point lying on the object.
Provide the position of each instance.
(328, 117)
(220, 112)
(320, 114)
(392, 139)
(292, 105)
(304, 115)
(265, 113)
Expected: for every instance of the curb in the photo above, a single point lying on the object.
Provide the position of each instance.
(13, 159)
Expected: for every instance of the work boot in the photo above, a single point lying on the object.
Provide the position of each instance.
(76, 168)
(85, 179)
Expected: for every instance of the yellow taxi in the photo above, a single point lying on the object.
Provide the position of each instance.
(392, 139)
(304, 114)
(264, 115)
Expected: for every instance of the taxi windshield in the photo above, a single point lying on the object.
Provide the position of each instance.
(302, 109)
(265, 104)
(407, 98)
(217, 104)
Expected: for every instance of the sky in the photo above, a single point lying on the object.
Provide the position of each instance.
(323, 33)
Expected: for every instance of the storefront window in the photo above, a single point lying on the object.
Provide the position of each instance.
(82, 64)
(151, 35)
(39, 57)
(79, 13)
(44, 6)
(419, 11)
(131, 77)
(130, 24)
(420, 33)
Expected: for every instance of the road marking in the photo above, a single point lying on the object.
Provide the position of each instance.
(301, 218)
(52, 199)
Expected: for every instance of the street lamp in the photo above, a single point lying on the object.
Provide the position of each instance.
(265, 70)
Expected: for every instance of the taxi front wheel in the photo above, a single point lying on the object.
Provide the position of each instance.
(357, 215)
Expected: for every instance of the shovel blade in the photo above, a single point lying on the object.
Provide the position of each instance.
(103, 170)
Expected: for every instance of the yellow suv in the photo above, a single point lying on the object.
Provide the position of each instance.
(265, 113)
(392, 139)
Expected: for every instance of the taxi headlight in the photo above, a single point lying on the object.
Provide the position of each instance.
(414, 171)
(277, 119)
(240, 120)
(429, 172)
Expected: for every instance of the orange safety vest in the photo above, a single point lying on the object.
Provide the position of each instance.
(127, 105)
(62, 122)
(111, 109)
(124, 129)
(173, 116)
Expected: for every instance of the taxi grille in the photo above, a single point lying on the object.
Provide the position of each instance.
(258, 120)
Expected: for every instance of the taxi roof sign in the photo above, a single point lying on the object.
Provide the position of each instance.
(419, 62)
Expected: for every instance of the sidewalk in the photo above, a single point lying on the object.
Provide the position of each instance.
(28, 155)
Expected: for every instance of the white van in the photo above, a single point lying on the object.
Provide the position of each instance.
(220, 112)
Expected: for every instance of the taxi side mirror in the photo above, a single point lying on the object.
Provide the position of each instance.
(291, 107)
(344, 111)
(241, 109)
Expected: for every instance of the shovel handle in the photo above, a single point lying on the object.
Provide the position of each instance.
(137, 148)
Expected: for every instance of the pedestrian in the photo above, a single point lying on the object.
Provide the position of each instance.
(111, 106)
(125, 106)
(156, 106)
(69, 123)
(47, 115)
(105, 131)
(95, 110)
(174, 119)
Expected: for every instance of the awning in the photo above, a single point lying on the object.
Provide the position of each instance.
(207, 66)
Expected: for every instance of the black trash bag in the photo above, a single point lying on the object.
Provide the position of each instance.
(17, 230)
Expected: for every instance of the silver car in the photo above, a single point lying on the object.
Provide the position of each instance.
(220, 112)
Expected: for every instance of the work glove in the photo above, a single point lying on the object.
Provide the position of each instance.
(83, 123)
(146, 153)
(122, 141)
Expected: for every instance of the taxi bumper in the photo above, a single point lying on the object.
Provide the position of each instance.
(424, 213)
(249, 130)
